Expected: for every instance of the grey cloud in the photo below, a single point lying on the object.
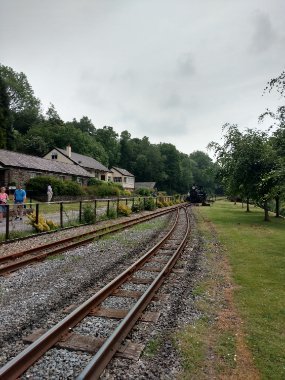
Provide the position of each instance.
(172, 100)
(157, 126)
(186, 65)
(174, 71)
(264, 35)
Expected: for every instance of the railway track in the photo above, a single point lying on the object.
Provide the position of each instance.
(17, 260)
(158, 262)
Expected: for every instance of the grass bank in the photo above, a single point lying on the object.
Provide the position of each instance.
(256, 253)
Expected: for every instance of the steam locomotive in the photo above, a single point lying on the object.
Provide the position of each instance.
(196, 195)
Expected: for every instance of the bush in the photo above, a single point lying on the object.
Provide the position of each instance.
(112, 214)
(88, 214)
(137, 206)
(93, 182)
(71, 188)
(38, 185)
(149, 204)
(103, 189)
(43, 224)
(126, 193)
(124, 210)
(160, 204)
(144, 192)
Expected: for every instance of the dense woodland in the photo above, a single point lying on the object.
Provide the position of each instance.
(249, 165)
(25, 128)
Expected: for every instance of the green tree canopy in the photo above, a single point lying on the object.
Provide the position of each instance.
(25, 108)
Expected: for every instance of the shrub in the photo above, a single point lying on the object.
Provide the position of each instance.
(38, 185)
(124, 210)
(71, 188)
(149, 204)
(103, 189)
(93, 182)
(137, 206)
(88, 214)
(43, 224)
(160, 204)
(112, 214)
(126, 193)
(143, 191)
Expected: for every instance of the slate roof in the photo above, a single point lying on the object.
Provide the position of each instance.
(145, 185)
(24, 161)
(123, 171)
(85, 161)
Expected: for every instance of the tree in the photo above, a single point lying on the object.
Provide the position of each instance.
(186, 168)
(53, 117)
(23, 105)
(172, 169)
(204, 170)
(6, 134)
(126, 151)
(277, 83)
(85, 125)
(246, 163)
(277, 138)
(108, 138)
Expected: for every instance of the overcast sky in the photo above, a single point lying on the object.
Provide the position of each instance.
(172, 70)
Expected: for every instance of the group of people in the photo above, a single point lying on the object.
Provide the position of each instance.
(19, 200)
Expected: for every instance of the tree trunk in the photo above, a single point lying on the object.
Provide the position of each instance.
(277, 206)
(266, 213)
(247, 204)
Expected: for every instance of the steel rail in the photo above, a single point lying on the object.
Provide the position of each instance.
(111, 345)
(96, 234)
(46, 246)
(25, 359)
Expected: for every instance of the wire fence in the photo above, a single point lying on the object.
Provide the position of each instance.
(33, 217)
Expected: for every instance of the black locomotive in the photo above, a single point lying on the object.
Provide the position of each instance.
(196, 195)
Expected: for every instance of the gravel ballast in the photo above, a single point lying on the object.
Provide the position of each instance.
(35, 297)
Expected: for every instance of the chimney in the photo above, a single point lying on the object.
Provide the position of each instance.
(68, 151)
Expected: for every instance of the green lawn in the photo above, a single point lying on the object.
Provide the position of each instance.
(256, 250)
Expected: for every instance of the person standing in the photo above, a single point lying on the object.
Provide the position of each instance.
(19, 199)
(49, 193)
(3, 201)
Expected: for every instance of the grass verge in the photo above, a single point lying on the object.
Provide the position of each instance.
(256, 253)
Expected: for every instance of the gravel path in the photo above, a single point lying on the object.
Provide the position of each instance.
(35, 297)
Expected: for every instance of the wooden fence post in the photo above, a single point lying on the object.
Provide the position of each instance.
(118, 203)
(80, 211)
(61, 215)
(37, 213)
(7, 222)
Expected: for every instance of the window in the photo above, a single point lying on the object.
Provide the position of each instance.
(103, 177)
(54, 156)
(125, 179)
(117, 179)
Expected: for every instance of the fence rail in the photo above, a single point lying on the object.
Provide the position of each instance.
(67, 213)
